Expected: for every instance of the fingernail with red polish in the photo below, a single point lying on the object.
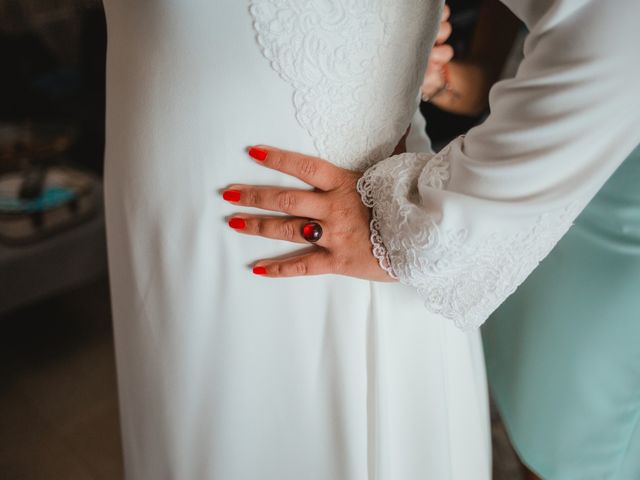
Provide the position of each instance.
(258, 153)
(237, 223)
(231, 195)
(260, 270)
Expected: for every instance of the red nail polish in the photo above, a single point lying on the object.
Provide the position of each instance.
(258, 153)
(231, 195)
(237, 223)
(259, 270)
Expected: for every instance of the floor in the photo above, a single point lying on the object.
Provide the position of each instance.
(58, 401)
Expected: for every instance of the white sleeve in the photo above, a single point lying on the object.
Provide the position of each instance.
(466, 226)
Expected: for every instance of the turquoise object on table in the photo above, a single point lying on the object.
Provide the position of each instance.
(51, 197)
(563, 352)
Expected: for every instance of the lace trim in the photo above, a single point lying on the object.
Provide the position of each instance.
(461, 277)
(369, 186)
(337, 56)
(378, 248)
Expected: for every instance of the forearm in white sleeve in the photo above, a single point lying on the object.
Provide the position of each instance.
(466, 226)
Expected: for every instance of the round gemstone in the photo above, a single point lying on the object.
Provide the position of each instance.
(311, 231)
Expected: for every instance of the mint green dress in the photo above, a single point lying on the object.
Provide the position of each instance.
(563, 352)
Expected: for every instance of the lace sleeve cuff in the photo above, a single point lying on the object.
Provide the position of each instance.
(464, 260)
(378, 248)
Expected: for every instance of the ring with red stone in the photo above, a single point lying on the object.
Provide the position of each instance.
(311, 232)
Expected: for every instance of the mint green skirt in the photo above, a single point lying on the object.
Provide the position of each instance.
(563, 352)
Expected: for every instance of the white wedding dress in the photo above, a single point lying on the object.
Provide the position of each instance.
(224, 375)
(228, 376)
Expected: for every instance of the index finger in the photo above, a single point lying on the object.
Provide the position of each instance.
(312, 170)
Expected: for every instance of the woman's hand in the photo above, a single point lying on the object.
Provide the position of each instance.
(459, 87)
(462, 86)
(435, 82)
(344, 247)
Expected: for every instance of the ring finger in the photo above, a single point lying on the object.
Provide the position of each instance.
(276, 227)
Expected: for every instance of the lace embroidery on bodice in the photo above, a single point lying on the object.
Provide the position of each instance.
(355, 67)
(460, 277)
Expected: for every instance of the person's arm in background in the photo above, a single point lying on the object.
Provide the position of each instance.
(466, 226)
(462, 86)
